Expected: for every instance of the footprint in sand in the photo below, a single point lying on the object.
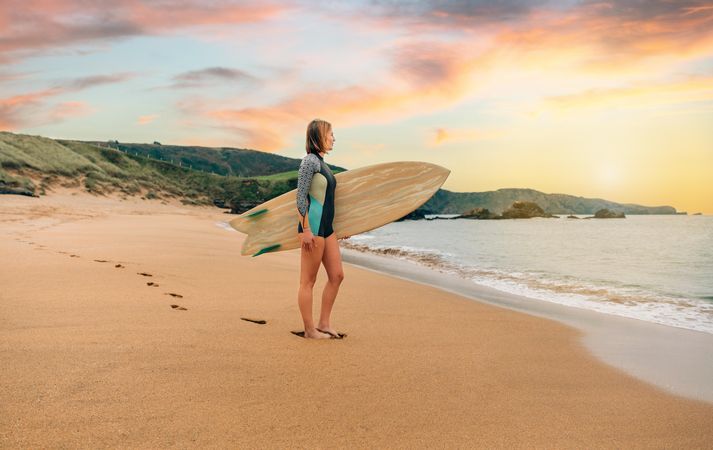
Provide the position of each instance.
(180, 308)
(144, 274)
(119, 266)
(74, 256)
(174, 295)
(101, 260)
(151, 283)
(258, 321)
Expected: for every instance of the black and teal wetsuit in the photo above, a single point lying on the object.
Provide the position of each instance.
(315, 195)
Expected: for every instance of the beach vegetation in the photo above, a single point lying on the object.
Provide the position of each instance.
(37, 164)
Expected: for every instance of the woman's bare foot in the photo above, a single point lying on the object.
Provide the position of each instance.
(314, 334)
(330, 331)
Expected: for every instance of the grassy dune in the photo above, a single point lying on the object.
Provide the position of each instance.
(37, 164)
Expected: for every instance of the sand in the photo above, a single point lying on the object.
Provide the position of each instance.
(93, 356)
(675, 359)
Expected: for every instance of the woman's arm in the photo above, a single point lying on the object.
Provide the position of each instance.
(309, 166)
(304, 220)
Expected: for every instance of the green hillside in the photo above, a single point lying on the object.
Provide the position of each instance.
(34, 164)
(221, 161)
(235, 178)
(446, 202)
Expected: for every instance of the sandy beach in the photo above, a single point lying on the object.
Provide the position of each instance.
(92, 355)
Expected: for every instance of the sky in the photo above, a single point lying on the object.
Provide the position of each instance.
(608, 100)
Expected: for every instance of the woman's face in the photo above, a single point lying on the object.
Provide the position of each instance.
(330, 141)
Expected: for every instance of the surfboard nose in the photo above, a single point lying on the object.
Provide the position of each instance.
(439, 172)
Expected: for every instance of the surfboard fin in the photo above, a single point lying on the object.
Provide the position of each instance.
(270, 248)
(257, 213)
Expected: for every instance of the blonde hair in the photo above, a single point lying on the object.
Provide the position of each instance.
(317, 135)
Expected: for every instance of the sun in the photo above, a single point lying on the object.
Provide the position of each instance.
(609, 175)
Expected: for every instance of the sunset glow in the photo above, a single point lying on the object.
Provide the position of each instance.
(597, 99)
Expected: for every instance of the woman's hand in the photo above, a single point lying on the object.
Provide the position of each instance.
(307, 240)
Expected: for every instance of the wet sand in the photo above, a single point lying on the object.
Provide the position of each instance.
(92, 355)
(675, 359)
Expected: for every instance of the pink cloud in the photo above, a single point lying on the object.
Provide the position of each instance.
(143, 120)
(425, 76)
(430, 73)
(689, 89)
(68, 110)
(35, 108)
(31, 110)
(34, 25)
(442, 135)
(611, 36)
(17, 110)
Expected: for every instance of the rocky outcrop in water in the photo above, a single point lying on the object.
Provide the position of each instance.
(606, 214)
(518, 210)
(524, 210)
(418, 214)
(479, 214)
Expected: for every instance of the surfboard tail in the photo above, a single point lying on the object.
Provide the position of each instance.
(269, 248)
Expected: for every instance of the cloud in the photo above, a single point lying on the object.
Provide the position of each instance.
(31, 26)
(442, 135)
(445, 13)
(78, 84)
(613, 35)
(12, 76)
(607, 33)
(426, 63)
(267, 128)
(35, 108)
(437, 70)
(144, 120)
(67, 110)
(210, 75)
(31, 110)
(424, 77)
(16, 110)
(641, 95)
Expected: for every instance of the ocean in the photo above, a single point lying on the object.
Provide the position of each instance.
(656, 268)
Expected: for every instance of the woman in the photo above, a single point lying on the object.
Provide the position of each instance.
(315, 205)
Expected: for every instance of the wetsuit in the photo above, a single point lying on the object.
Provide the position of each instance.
(315, 195)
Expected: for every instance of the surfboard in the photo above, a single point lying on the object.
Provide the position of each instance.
(365, 199)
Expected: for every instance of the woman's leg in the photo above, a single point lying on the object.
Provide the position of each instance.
(309, 265)
(332, 260)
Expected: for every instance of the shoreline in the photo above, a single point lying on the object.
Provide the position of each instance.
(675, 359)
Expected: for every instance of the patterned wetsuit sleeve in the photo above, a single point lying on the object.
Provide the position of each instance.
(309, 166)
